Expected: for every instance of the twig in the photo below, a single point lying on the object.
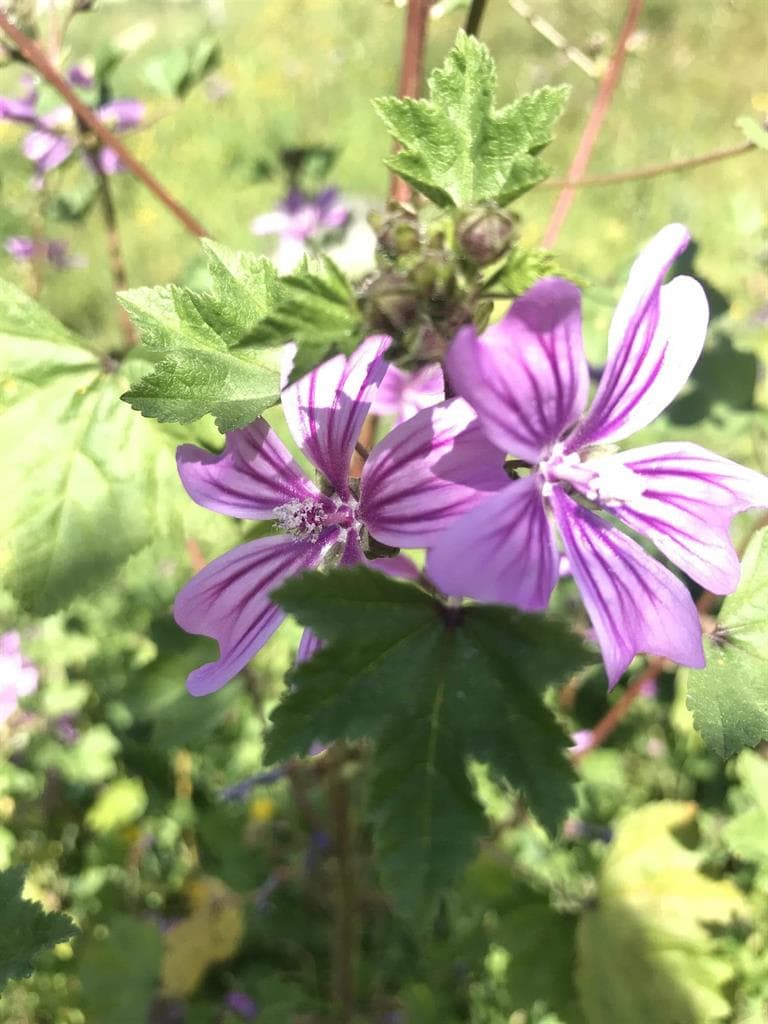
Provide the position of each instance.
(655, 171)
(475, 16)
(32, 53)
(414, 45)
(557, 39)
(345, 908)
(594, 124)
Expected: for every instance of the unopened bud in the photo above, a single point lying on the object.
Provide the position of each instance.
(392, 302)
(397, 232)
(485, 234)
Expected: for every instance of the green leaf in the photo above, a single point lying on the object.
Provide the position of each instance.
(119, 973)
(651, 915)
(753, 131)
(457, 149)
(317, 311)
(435, 687)
(179, 68)
(729, 698)
(27, 929)
(120, 803)
(746, 834)
(522, 269)
(208, 360)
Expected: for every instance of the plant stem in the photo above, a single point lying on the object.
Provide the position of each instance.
(475, 17)
(33, 55)
(593, 126)
(345, 905)
(114, 251)
(655, 170)
(412, 72)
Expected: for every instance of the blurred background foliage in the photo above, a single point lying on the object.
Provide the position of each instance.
(207, 899)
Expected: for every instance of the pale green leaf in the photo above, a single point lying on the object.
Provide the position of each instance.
(729, 698)
(457, 149)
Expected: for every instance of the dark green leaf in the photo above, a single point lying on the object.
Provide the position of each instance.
(729, 698)
(317, 311)
(435, 687)
(26, 928)
(457, 149)
(119, 973)
(208, 364)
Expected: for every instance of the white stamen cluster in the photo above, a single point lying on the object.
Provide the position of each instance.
(301, 519)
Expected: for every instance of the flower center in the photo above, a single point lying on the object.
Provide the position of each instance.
(610, 485)
(306, 518)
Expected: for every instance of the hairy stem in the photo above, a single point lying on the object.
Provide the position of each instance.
(33, 55)
(412, 72)
(593, 126)
(475, 17)
(654, 171)
(345, 902)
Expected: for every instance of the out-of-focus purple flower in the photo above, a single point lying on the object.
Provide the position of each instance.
(54, 137)
(649, 688)
(66, 730)
(53, 251)
(581, 741)
(81, 75)
(241, 789)
(299, 220)
(402, 394)
(18, 676)
(242, 1004)
(399, 499)
(319, 844)
(527, 378)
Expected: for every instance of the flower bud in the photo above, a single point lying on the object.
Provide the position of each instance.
(484, 234)
(392, 302)
(397, 232)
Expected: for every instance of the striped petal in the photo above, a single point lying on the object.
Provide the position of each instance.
(325, 410)
(503, 551)
(636, 606)
(252, 477)
(229, 601)
(655, 340)
(426, 472)
(526, 376)
(689, 498)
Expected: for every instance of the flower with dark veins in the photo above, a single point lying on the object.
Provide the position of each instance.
(400, 500)
(527, 378)
(403, 393)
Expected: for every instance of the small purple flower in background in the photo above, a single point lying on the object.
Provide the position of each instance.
(527, 378)
(581, 741)
(241, 1004)
(24, 250)
(18, 676)
(299, 220)
(54, 138)
(403, 394)
(398, 500)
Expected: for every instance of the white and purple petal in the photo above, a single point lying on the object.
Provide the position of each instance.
(655, 339)
(402, 394)
(426, 472)
(253, 476)
(636, 606)
(689, 497)
(229, 601)
(503, 551)
(526, 376)
(325, 410)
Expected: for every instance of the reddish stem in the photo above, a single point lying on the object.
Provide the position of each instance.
(654, 171)
(412, 73)
(33, 55)
(593, 126)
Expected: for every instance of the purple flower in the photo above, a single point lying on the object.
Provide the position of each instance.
(242, 1004)
(400, 500)
(18, 677)
(53, 138)
(527, 378)
(24, 249)
(298, 220)
(403, 394)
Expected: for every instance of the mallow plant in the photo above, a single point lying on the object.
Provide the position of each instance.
(427, 484)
